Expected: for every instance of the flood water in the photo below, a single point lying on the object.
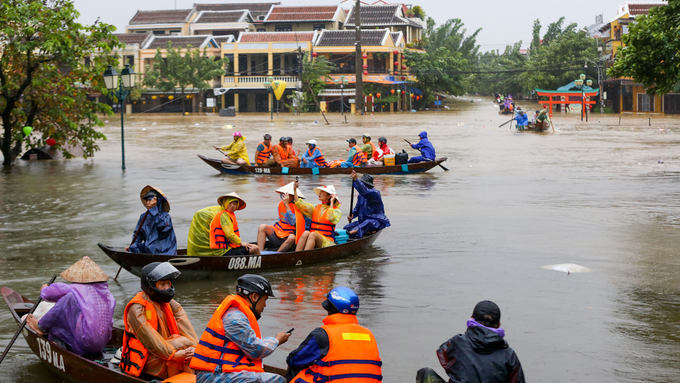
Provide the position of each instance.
(592, 194)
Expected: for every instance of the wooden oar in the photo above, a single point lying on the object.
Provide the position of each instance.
(23, 323)
(507, 122)
(351, 201)
(421, 153)
(134, 238)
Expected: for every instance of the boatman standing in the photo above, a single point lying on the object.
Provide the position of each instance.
(340, 350)
(154, 233)
(425, 147)
(369, 210)
(263, 152)
(232, 348)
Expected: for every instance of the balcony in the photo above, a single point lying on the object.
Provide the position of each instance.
(255, 82)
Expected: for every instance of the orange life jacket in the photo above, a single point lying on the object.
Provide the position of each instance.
(283, 153)
(284, 229)
(352, 354)
(321, 224)
(217, 238)
(184, 377)
(321, 160)
(134, 353)
(264, 154)
(373, 149)
(359, 158)
(215, 348)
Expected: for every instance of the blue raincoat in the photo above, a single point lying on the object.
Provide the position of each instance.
(157, 235)
(369, 211)
(316, 153)
(522, 119)
(425, 147)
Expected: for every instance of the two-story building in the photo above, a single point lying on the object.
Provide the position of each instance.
(390, 16)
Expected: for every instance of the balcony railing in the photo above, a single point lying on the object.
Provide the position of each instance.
(250, 81)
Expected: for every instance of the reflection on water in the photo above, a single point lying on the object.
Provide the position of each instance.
(592, 194)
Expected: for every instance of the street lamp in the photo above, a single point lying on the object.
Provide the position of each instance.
(270, 87)
(599, 80)
(579, 83)
(342, 81)
(120, 86)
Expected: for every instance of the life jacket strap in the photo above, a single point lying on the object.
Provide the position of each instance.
(321, 378)
(348, 361)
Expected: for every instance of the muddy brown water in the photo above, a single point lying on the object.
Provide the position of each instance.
(592, 194)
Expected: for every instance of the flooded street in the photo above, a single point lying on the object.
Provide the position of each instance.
(592, 194)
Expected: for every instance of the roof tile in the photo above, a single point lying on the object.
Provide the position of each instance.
(256, 9)
(637, 9)
(220, 17)
(377, 15)
(369, 37)
(177, 41)
(302, 13)
(171, 16)
(272, 37)
(132, 38)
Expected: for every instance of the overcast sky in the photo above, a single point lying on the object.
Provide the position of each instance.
(502, 22)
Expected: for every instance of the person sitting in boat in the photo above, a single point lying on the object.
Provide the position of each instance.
(283, 156)
(543, 118)
(263, 152)
(324, 218)
(368, 147)
(522, 119)
(535, 117)
(380, 152)
(313, 157)
(341, 347)
(369, 210)
(236, 152)
(355, 156)
(232, 348)
(82, 318)
(214, 230)
(479, 355)
(290, 145)
(284, 233)
(425, 147)
(159, 339)
(154, 233)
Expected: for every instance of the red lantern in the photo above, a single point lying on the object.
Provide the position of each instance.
(392, 91)
(396, 72)
(377, 95)
(365, 72)
(396, 52)
(413, 95)
(51, 141)
(403, 67)
(364, 56)
(396, 64)
(365, 66)
(403, 78)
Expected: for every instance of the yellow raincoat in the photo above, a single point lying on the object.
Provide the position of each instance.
(334, 216)
(199, 232)
(237, 149)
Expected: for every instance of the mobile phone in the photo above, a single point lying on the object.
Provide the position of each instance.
(297, 178)
(290, 331)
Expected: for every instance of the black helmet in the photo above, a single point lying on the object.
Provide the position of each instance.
(382, 139)
(253, 283)
(154, 272)
(283, 139)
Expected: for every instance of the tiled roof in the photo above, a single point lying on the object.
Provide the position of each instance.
(177, 41)
(636, 9)
(302, 13)
(377, 15)
(224, 39)
(221, 16)
(256, 9)
(132, 38)
(271, 37)
(369, 37)
(173, 16)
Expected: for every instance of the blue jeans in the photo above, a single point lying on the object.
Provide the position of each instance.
(346, 164)
(417, 159)
(309, 164)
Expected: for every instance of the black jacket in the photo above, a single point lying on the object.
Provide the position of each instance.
(480, 356)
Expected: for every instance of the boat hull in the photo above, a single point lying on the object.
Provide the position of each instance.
(279, 171)
(195, 266)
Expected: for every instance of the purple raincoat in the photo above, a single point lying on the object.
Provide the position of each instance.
(82, 317)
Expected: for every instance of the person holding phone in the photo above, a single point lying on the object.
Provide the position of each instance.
(232, 348)
(341, 347)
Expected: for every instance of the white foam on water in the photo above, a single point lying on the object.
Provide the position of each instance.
(568, 268)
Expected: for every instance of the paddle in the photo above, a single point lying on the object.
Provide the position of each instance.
(23, 323)
(351, 199)
(512, 119)
(421, 153)
(134, 238)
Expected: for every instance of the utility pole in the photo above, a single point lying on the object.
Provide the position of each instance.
(359, 62)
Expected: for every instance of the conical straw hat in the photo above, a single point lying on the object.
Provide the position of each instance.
(241, 205)
(148, 188)
(288, 188)
(85, 271)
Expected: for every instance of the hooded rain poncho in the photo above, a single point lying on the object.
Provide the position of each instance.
(237, 149)
(157, 235)
(369, 211)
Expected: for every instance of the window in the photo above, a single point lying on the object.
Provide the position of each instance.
(179, 32)
(319, 27)
(645, 103)
(158, 32)
(129, 60)
(261, 30)
(87, 61)
(283, 28)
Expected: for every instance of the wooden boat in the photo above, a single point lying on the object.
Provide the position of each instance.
(201, 266)
(535, 128)
(72, 367)
(279, 171)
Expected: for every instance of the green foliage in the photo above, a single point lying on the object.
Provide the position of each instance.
(417, 11)
(179, 71)
(536, 36)
(502, 71)
(314, 76)
(652, 50)
(43, 80)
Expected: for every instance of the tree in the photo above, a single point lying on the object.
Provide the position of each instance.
(651, 50)
(314, 75)
(176, 71)
(502, 73)
(44, 81)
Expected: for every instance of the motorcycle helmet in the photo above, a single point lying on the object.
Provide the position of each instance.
(154, 272)
(342, 300)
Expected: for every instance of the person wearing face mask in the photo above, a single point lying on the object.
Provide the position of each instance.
(232, 348)
(159, 339)
(154, 233)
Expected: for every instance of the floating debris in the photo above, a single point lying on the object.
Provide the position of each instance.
(661, 161)
(568, 268)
